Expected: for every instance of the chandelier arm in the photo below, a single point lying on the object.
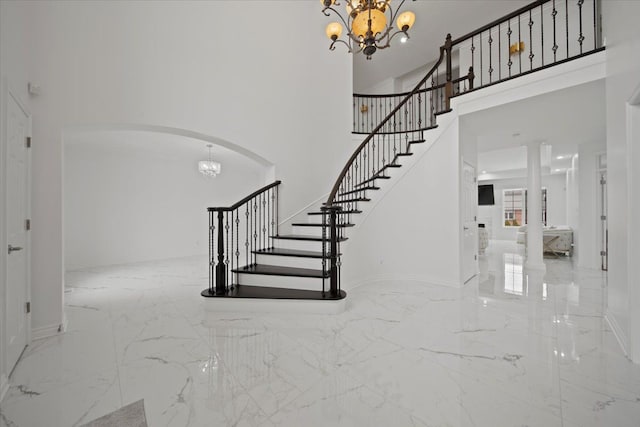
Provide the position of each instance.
(332, 45)
(406, 34)
(393, 16)
(346, 23)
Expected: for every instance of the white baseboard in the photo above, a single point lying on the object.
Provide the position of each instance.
(618, 333)
(4, 386)
(47, 331)
(349, 285)
(250, 305)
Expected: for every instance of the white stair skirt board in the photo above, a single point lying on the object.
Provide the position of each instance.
(290, 282)
(271, 306)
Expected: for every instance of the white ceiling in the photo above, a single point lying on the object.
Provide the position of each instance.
(562, 120)
(434, 19)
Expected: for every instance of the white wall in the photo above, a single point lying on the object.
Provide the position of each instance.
(134, 196)
(413, 231)
(556, 207)
(623, 76)
(220, 68)
(14, 74)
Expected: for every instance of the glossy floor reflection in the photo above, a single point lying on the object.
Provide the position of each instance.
(511, 348)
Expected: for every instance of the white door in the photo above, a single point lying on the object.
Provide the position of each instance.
(469, 223)
(17, 252)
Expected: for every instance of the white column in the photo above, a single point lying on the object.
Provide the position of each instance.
(534, 208)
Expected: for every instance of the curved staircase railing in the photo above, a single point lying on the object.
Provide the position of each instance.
(539, 35)
(237, 232)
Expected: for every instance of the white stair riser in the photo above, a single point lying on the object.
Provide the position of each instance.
(307, 283)
(285, 261)
(304, 245)
(308, 231)
(317, 219)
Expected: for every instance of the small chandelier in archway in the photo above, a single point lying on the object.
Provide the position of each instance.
(209, 168)
(367, 25)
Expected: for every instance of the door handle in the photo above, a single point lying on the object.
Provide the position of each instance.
(14, 249)
(465, 228)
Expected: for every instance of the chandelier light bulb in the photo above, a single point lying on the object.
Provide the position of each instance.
(406, 20)
(334, 30)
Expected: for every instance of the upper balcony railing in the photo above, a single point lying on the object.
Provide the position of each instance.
(539, 35)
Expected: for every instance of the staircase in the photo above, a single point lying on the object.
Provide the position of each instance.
(250, 258)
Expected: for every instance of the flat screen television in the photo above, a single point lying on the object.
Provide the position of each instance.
(485, 195)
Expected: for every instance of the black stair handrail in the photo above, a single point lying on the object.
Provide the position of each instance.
(240, 229)
(336, 187)
(246, 199)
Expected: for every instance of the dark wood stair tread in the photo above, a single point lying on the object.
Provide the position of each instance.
(304, 237)
(373, 178)
(418, 141)
(309, 224)
(344, 212)
(279, 270)
(290, 253)
(267, 292)
(357, 199)
(404, 154)
(358, 190)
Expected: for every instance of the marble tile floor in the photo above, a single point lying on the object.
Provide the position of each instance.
(511, 348)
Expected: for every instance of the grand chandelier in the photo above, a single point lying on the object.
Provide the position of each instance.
(209, 168)
(367, 25)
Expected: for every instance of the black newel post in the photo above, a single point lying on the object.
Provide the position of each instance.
(220, 267)
(333, 249)
(448, 89)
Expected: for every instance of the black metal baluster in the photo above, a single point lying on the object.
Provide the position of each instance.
(264, 221)
(490, 40)
(355, 115)
(566, 18)
(420, 109)
(554, 13)
(581, 38)
(519, 50)
(595, 25)
(473, 49)
(531, 55)
(432, 104)
(509, 32)
(246, 236)
(499, 53)
(542, 34)
(481, 59)
(256, 231)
